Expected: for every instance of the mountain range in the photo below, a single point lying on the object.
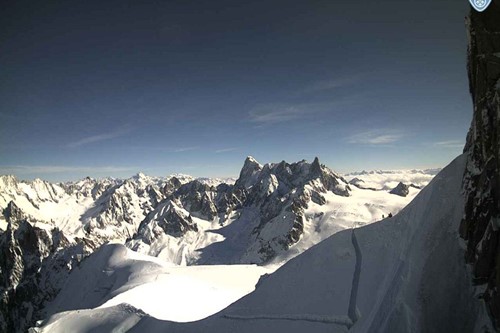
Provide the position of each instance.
(268, 215)
(286, 247)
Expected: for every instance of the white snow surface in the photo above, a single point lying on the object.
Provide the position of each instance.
(402, 274)
(115, 277)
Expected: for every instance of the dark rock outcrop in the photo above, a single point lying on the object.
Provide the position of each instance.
(401, 189)
(198, 199)
(168, 218)
(481, 223)
(172, 184)
(34, 263)
(175, 223)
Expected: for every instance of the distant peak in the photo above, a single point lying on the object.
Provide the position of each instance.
(316, 167)
(8, 179)
(250, 159)
(249, 173)
(251, 163)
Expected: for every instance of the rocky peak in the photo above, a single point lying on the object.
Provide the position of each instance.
(171, 185)
(140, 175)
(316, 169)
(168, 218)
(401, 190)
(8, 181)
(12, 213)
(176, 222)
(198, 198)
(249, 173)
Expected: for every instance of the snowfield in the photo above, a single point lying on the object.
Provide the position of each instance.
(114, 275)
(388, 276)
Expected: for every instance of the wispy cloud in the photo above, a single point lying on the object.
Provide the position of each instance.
(333, 83)
(376, 137)
(273, 113)
(182, 149)
(99, 137)
(276, 113)
(225, 150)
(54, 169)
(450, 144)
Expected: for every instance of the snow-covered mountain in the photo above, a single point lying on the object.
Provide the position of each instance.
(406, 273)
(270, 214)
(385, 277)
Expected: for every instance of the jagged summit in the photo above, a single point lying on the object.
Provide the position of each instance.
(139, 175)
(401, 190)
(7, 180)
(13, 213)
(251, 159)
(248, 173)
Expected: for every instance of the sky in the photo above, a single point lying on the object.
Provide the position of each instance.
(111, 88)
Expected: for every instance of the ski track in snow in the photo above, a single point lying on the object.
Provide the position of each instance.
(342, 320)
(352, 312)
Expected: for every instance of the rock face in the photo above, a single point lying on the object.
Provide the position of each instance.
(280, 193)
(401, 189)
(481, 222)
(198, 198)
(168, 218)
(34, 263)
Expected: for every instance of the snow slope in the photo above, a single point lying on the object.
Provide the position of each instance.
(385, 277)
(114, 275)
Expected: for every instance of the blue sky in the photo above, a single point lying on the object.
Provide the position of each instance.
(110, 89)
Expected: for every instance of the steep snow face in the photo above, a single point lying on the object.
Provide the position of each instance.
(384, 277)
